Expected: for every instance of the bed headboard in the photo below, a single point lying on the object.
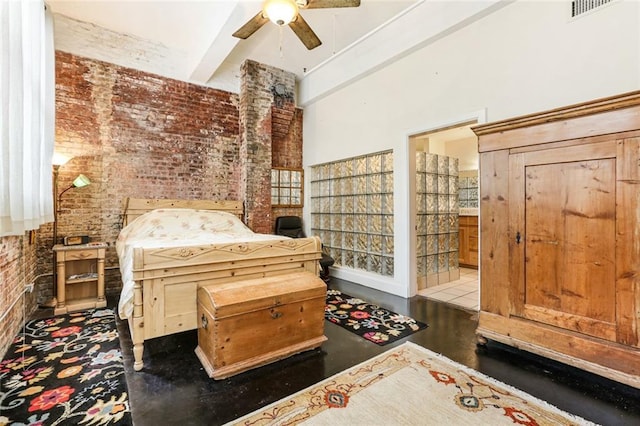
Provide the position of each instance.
(134, 207)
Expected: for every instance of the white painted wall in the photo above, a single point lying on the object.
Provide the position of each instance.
(524, 57)
(465, 150)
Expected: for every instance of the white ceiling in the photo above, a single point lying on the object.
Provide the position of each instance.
(191, 40)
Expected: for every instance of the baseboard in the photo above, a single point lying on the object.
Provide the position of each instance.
(371, 280)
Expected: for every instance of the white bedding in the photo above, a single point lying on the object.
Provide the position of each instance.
(175, 228)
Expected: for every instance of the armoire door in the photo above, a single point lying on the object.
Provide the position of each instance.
(565, 237)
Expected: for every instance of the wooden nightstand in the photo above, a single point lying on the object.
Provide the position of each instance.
(80, 277)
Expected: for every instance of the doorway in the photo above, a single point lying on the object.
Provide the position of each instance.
(447, 208)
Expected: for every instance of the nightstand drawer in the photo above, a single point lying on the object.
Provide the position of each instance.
(81, 254)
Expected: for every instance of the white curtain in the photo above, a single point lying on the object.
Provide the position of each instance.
(27, 108)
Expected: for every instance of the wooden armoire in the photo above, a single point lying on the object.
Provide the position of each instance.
(560, 235)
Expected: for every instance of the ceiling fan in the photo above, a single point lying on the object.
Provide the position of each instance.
(287, 12)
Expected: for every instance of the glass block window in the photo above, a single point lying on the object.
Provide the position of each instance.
(437, 210)
(469, 197)
(352, 211)
(287, 187)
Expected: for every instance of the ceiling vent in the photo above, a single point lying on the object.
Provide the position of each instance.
(579, 7)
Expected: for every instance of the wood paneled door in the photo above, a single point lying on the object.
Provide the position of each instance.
(567, 242)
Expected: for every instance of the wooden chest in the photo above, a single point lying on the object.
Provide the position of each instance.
(247, 324)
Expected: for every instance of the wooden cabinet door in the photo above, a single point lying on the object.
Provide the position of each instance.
(468, 241)
(566, 237)
(472, 259)
(463, 245)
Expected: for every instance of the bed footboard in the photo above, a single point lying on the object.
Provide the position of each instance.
(167, 279)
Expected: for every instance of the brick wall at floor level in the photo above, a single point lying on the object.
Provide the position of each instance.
(17, 268)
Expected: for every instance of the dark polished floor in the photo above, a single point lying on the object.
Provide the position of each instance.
(174, 389)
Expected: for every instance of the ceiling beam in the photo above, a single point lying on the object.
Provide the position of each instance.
(233, 15)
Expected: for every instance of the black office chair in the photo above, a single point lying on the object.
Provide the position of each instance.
(291, 226)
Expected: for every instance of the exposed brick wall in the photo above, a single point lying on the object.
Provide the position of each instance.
(257, 97)
(140, 135)
(137, 135)
(286, 147)
(17, 260)
(286, 136)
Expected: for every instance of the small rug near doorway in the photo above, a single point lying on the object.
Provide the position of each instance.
(65, 370)
(369, 321)
(410, 385)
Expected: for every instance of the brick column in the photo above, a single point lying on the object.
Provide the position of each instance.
(262, 87)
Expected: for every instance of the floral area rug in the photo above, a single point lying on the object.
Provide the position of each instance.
(65, 370)
(371, 322)
(410, 385)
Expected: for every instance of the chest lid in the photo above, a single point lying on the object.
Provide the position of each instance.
(228, 299)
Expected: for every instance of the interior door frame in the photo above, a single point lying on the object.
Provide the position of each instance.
(408, 219)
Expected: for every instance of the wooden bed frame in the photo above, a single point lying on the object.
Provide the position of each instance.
(166, 280)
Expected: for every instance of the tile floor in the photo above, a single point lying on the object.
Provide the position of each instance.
(464, 293)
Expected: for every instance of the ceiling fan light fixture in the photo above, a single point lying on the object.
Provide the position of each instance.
(286, 12)
(281, 12)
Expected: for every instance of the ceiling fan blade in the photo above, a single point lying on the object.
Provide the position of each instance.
(305, 33)
(253, 25)
(324, 4)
